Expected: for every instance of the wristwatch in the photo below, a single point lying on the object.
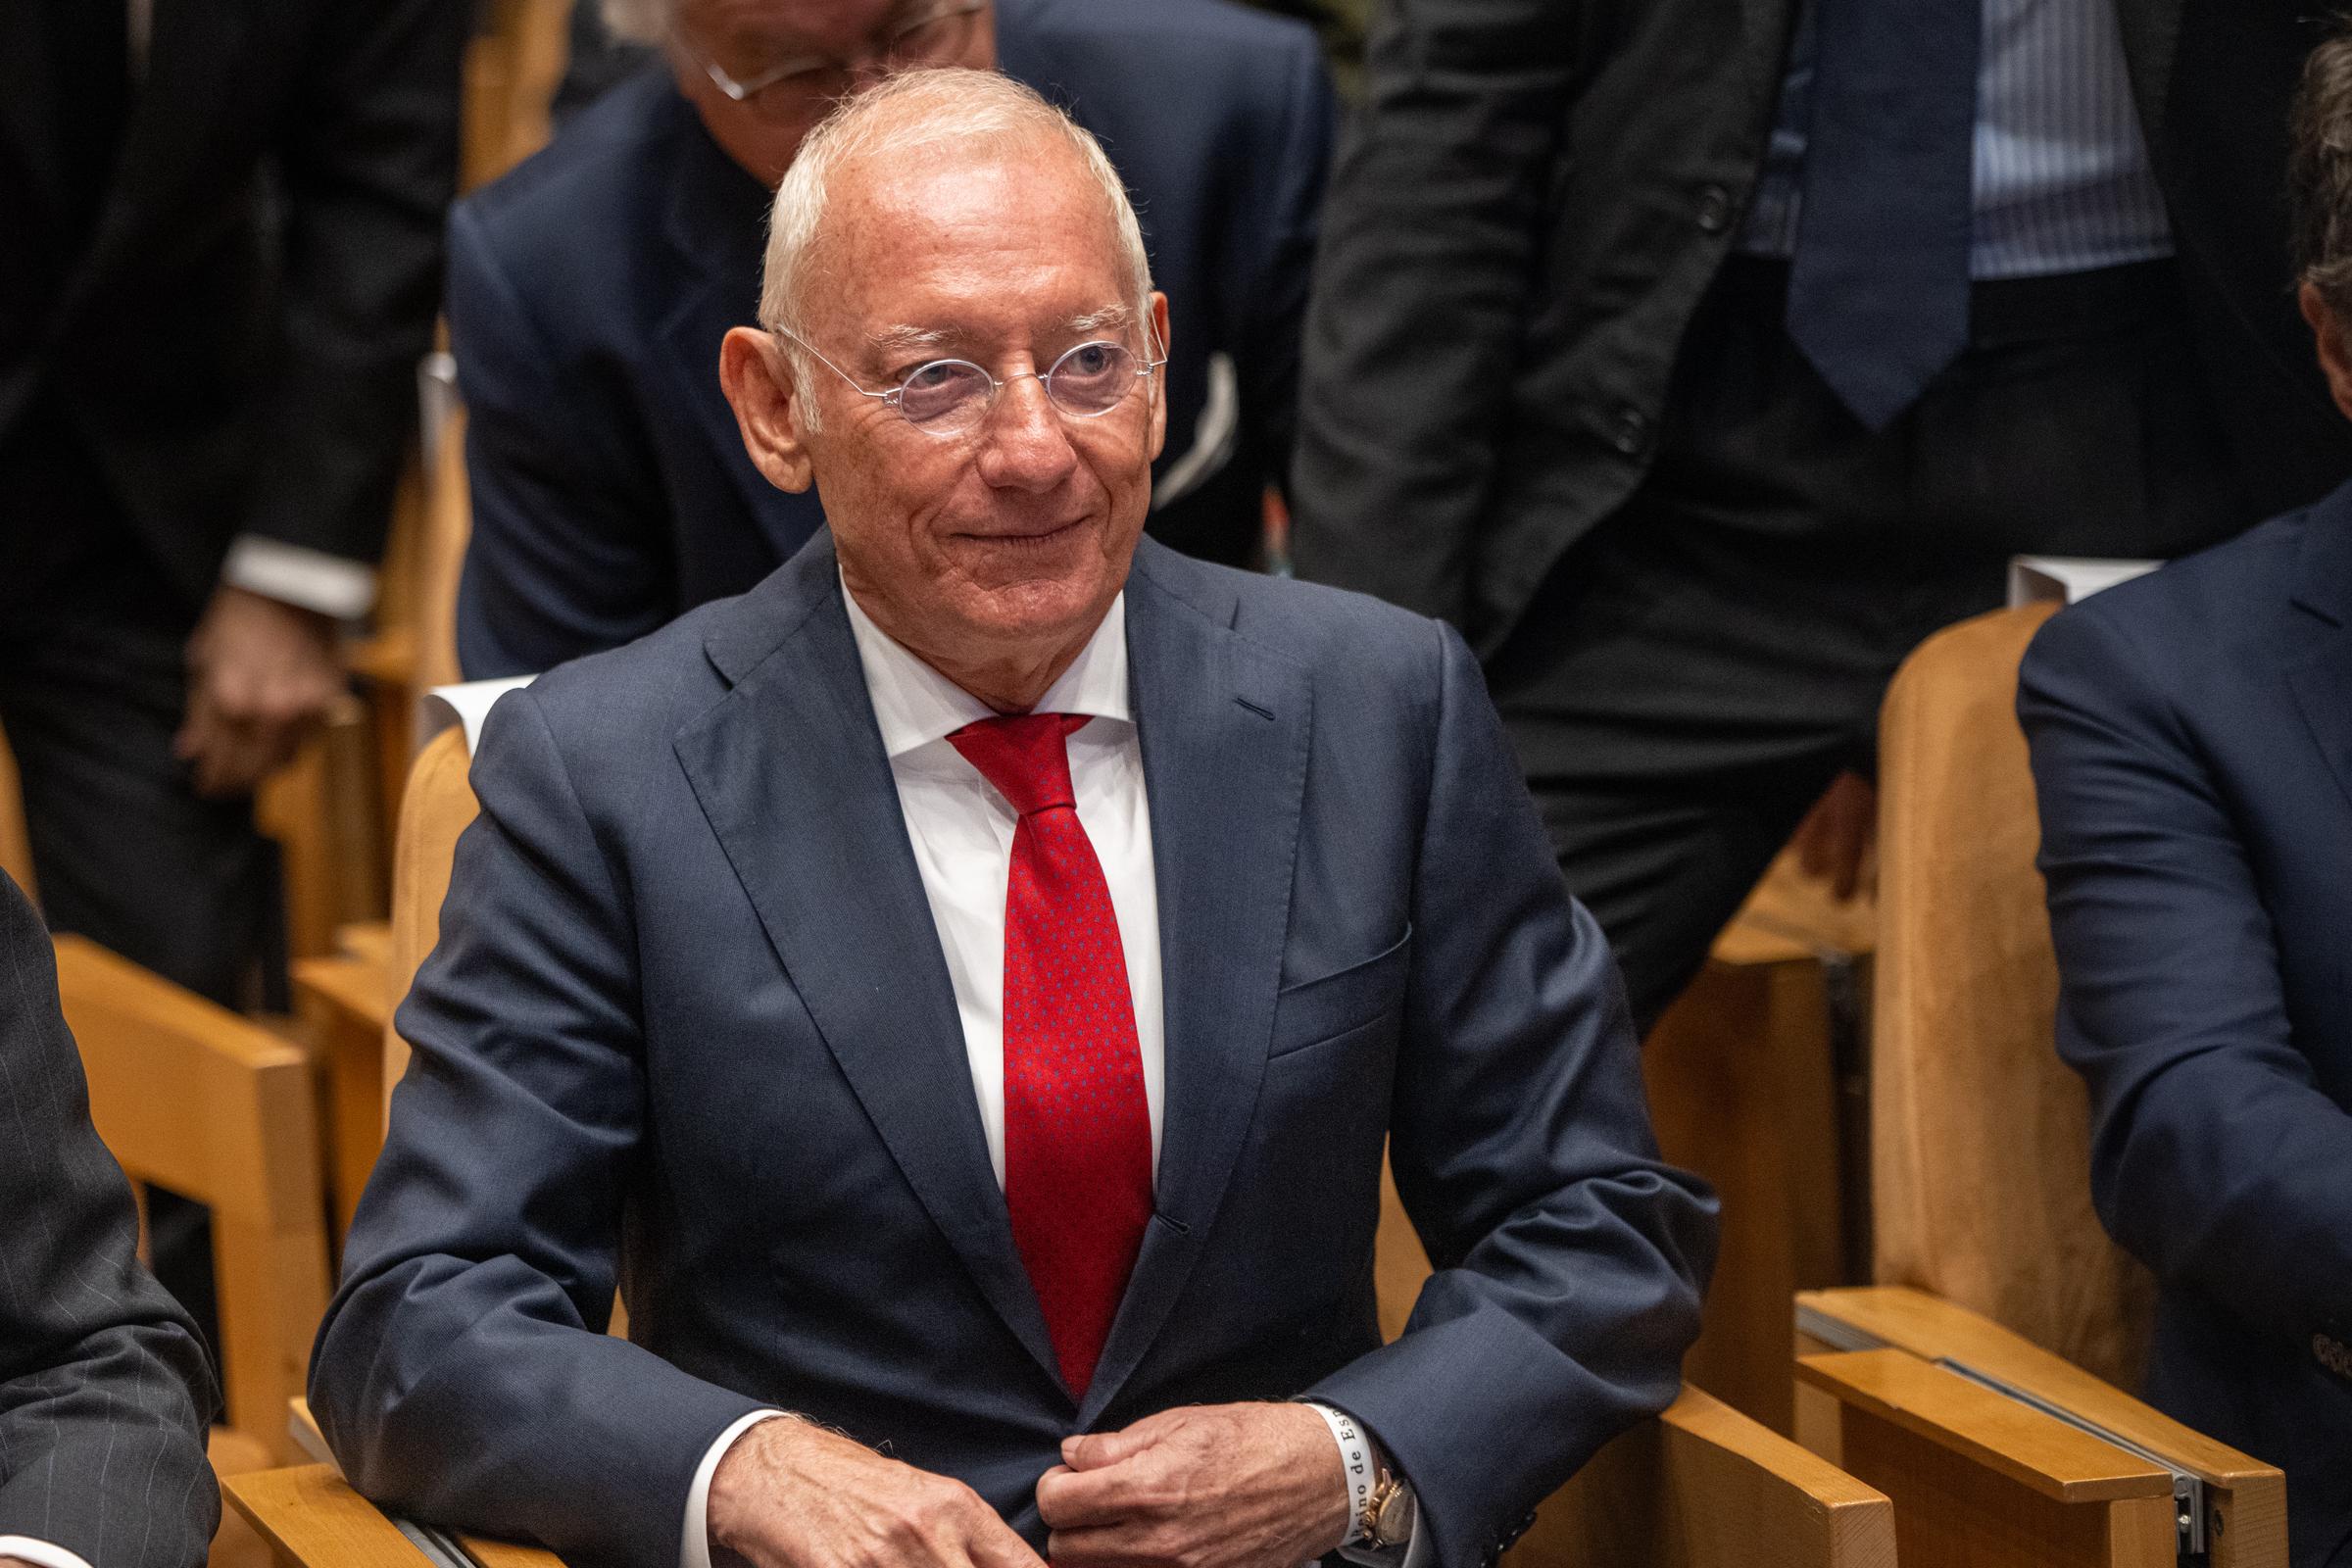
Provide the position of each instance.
(1387, 1520)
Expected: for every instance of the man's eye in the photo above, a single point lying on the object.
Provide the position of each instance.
(1090, 358)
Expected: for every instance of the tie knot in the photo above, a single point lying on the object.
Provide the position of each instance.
(1024, 757)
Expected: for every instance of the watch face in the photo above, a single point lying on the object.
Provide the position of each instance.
(1397, 1517)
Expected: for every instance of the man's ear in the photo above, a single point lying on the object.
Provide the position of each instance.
(2327, 331)
(1158, 342)
(759, 389)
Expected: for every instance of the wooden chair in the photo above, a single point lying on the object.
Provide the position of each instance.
(1977, 1386)
(15, 849)
(192, 1097)
(1747, 1076)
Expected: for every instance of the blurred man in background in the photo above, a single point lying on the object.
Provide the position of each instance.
(219, 266)
(589, 290)
(1699, 360)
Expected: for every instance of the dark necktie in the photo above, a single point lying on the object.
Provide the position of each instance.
(1077, 1129)
(1878, 286)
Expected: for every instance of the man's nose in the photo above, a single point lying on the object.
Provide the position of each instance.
(1023, 445)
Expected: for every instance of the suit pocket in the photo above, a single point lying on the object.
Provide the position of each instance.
(1346, 1000)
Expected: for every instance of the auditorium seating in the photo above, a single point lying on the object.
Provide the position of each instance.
(1972, 1383)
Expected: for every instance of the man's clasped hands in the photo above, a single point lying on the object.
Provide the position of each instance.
(1201, 1487)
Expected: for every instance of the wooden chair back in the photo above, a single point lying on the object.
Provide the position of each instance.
(193, 1097)
(15, 848)
(1701, 1486)
(434, 810)
(1979, 1135)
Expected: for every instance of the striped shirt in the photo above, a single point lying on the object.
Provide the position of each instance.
(2061, 176)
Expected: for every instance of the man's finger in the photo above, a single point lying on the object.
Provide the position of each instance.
(1096, 1450)
(1069, 1500)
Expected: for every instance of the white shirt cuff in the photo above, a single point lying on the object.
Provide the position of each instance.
(312, 579)
(694, 1551)
(40, 1553)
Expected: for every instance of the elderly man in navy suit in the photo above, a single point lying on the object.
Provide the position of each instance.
(2193, 747)
(589, 290)
(961, 991)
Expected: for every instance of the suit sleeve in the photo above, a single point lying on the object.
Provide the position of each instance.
(1280, 235)
(2215, 1159)
(367, 155)
(1429, 251)
(462, 1374)
(1570, 1259)
(567, 554)
(105, 1391)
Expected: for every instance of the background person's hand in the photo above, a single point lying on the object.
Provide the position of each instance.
(1211, 1485)
(1838, 841)
(791, 1495)
(261, 674)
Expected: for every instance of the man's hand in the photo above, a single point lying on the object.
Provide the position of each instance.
(791, 1495)
(1838, 841)
(1209, 1486)
(261, 674)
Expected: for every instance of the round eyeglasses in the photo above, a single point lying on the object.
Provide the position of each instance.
(952, 397)
(919, 35)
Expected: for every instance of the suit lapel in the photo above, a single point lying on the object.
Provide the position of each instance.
(2322, 682)
(1224, 726)
(790, 771)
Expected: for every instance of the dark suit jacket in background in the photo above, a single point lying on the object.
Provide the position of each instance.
(589, 290)
(104, 1388)
(1539, 195)
(2192, 746)
(689, 1019)
(236, 346)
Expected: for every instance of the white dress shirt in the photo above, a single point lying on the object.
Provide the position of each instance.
(962, 833)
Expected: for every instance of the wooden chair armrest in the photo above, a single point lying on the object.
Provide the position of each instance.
(1704, 1486)
(1735, 1483)
(313, 1519)
(2246, 1499)
(2015, 1441)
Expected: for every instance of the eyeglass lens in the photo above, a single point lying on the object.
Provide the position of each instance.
(919, 40)
(952, 394)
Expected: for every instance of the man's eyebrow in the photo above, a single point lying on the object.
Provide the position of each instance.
(902, 339)
(1108, 319)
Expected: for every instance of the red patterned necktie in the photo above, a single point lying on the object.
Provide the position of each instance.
(1077, 1132)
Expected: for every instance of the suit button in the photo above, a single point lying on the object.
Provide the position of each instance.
(1629, 431)
(1714, 209)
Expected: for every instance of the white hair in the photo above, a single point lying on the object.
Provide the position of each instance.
(913, 112)
(639, 21)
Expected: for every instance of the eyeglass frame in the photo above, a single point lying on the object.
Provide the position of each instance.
(895, 397)
(742, 92)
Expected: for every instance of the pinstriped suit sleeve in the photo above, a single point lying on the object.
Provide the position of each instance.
(104, 1388)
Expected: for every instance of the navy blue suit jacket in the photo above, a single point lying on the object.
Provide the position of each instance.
(589, 289)
(689, 1021)
(2193, 747)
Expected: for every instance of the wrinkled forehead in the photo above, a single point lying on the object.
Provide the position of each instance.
(1021, 229)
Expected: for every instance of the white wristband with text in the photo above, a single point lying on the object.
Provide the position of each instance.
(1355, 1463)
